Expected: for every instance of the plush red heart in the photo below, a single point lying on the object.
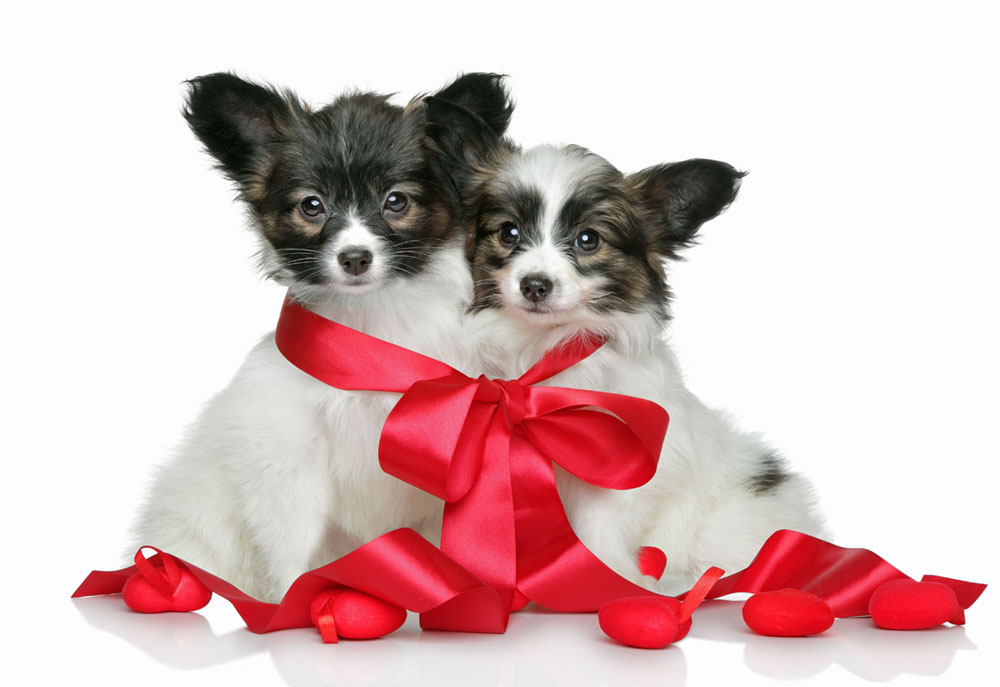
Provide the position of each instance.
(164, 586)
(647, 622)
(685, 626)
(787, 613)
(351, 614)
(910, 605)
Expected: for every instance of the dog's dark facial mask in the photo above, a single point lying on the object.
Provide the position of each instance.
(346, 197)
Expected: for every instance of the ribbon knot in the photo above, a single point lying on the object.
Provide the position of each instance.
(513, 400)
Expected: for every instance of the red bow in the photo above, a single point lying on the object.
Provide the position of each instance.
(487, 447)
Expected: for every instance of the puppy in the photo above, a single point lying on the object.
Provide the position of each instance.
(280, 474)
(562, 244)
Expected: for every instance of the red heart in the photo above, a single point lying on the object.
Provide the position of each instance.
(787, 613)
(910, 605)
(351, 614)
(685, 627)
(647, 622)
(168, 586)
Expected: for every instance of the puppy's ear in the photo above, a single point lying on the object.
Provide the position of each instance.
(483, 95)
(681, 196)
(466, 122)
(241, 124)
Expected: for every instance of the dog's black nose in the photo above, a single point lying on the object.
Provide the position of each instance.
(536, 287)
(355, 259)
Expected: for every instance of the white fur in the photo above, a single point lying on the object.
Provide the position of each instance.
(280, 473)
(357, 235)
(699, 507)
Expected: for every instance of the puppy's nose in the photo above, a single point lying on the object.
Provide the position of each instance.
(536, 287)
(355, 259)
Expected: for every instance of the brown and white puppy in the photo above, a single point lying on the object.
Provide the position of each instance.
(280, 474)
(563, 244)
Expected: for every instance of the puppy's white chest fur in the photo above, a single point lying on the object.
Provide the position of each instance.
(280, 473)
(717, 494)
(356, 211)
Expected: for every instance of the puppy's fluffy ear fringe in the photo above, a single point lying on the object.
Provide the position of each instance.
(238, 121)
(680, 197)
(465, 123)
(482, 94)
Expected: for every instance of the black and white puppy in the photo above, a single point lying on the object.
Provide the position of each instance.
(563, 244)
(279, 474)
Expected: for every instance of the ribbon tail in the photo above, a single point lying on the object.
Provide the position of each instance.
(844, 578)
(101, 582)
(478, 530)
(966, 592)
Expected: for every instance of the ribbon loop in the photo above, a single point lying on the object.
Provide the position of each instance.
(164, 578)
(422, 444)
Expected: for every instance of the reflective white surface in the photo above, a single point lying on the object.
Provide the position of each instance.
(539, 648)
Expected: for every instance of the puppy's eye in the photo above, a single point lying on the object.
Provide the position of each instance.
(588, 241)
(509, 234)
(312, 206)
(396, 201)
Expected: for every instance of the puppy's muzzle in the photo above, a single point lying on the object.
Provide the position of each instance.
(536, 287)
(355, 259)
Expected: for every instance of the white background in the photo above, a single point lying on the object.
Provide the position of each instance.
(845, 305)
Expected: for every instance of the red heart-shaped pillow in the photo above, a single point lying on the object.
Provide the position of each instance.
(163, 585)
(647, 622)
(787, 613)
(351, 614)
(910, 605)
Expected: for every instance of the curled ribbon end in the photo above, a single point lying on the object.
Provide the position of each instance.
(326, 623)
(164, 578)
(698, 593)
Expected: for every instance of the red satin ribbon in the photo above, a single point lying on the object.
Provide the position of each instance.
(698, 593)
(163, 579)
(400, 567)
(404, 568)
(844, 578)
(487, 447)
(327, 624)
